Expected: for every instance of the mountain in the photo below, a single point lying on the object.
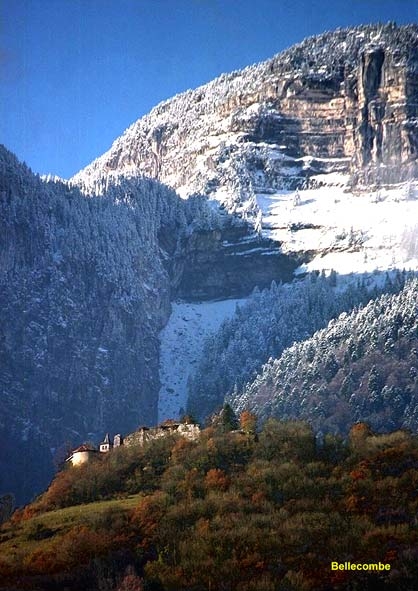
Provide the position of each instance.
(343, 101)
(287, 166)
(85, 289)
(362, 367)
(309, 147)
(266, 324)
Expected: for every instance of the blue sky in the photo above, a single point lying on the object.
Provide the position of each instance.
(75, 73)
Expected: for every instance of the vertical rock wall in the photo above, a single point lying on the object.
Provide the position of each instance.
(347, 99)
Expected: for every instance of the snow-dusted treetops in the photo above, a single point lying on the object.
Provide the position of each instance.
(362, 367)
(264, 327)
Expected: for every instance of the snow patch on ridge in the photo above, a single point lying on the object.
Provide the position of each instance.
(351, 233)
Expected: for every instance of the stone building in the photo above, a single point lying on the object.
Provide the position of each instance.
(143, 434)
(105, 445)
(117, 440)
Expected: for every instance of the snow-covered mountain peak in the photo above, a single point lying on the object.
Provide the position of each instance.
(309, 100)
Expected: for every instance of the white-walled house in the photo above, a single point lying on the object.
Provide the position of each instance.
(81, 455)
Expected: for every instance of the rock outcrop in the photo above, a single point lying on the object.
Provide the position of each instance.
(229, 263)
(142, 435)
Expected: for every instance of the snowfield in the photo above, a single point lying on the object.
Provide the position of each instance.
(181, 345)
(352, 233)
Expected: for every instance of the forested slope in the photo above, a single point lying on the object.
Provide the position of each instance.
(269, 322)
(83, 294)
(363, 366)
(231, 511)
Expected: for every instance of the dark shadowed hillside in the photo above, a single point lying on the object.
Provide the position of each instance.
(83, 294)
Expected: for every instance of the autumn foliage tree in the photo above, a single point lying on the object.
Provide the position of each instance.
(248, 422)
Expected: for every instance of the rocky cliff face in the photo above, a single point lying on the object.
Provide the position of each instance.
(385, 135)
(229, 263)
(341, 101)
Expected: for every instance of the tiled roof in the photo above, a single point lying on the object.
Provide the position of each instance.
(84, 447)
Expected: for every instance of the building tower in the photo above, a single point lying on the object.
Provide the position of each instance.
(105, 446)
(117, 440)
